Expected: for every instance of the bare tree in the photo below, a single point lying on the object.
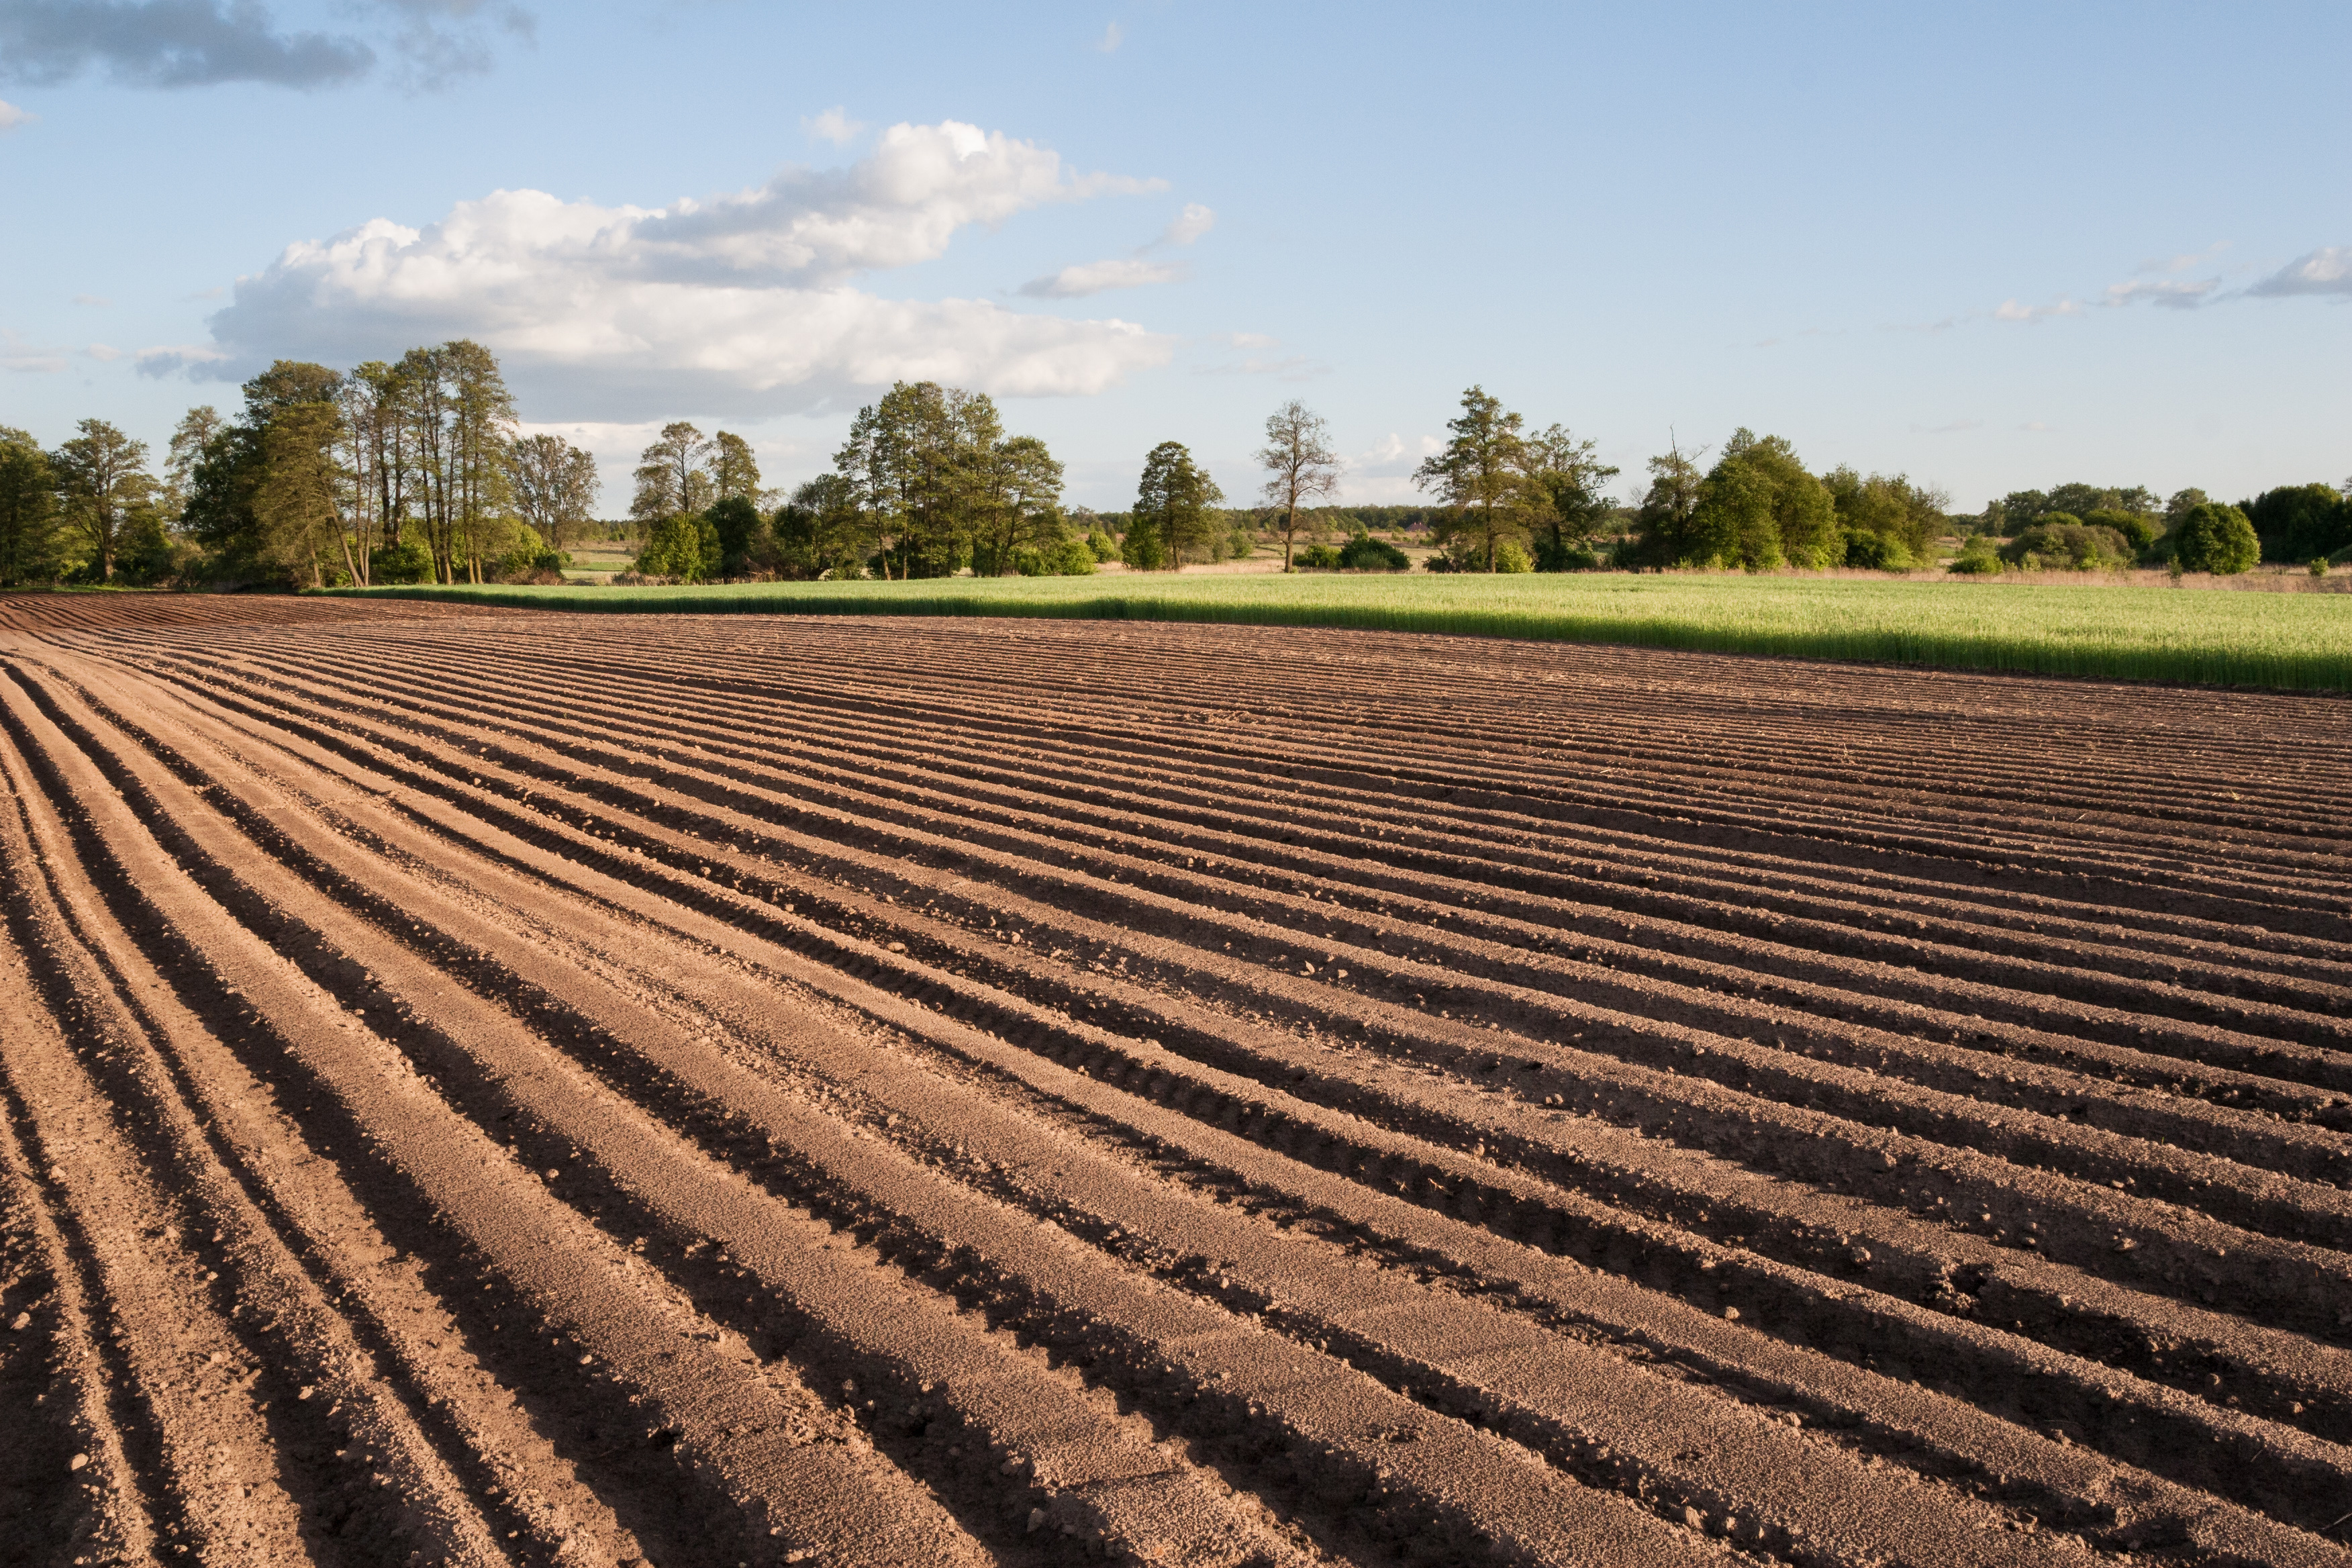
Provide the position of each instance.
(555, 487)
(1298, 451)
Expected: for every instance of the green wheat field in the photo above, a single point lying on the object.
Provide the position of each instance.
(2285, 640)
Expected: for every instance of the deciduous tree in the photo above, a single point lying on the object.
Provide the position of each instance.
(673, 475)
(102, 477)
(1300, 462)
(555, 485)
(305, 492)
(28, 517)
(734, 471)
(1567, 479)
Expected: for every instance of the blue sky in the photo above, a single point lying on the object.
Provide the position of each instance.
(1991, 247)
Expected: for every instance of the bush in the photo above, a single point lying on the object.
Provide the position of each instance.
(2137, 531)
(1065, 558)
(684, 549)
(1318, 558)
(1365, 553)
(1878, 553)
(1976, 558)
(2061, 543)
(1509, 557)
(1242, 545)
(1568, 556)
(2217, 539)
(402, 563)
(1104, 547)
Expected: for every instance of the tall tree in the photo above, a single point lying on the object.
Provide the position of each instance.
(1481, 473)
(1022, 500)
(1301, 466)
(304, 491)
(1567, 481)
(379, 448)
(555, 487)
(1667, 506)
(673, 475)
(919, 461)
(194, 433)
(28, 521)
(481, 432)
(1176, 500)
(102, 476)
(734, 471)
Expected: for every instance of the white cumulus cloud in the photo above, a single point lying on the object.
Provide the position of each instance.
(744, 304)
(1190, 224)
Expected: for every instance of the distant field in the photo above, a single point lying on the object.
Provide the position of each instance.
(2129, 632)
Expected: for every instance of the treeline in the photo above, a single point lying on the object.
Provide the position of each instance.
(397, 471)
(928, 484)
(2085, 524)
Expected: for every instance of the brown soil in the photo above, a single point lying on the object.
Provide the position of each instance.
(533, 1088)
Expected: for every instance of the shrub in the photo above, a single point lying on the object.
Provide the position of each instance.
(1365, 553)
(2217, 539)
(684, 549)
(1976, 558)
(1064, 558)
(1571, 555)
(1511, 557)
(2060, 543)
(1103, 545)
(2137, 531)
(402, 563)
(1318, 558)
(1242, 545)
(1877, 552)
(530, 561)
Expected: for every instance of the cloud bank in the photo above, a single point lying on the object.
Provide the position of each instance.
(742, 305)
(203, 43)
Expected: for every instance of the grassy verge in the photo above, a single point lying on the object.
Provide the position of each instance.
(2300, 641)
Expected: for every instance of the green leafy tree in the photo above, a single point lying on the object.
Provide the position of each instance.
(2217, 539)
(1759, 508)
(304, 486)
(1567, 481)
(741, 533)
(1300, 465)
(1665, 518)
(2135, 528)
(673, 475)
(1482, 475)
(102, 480)
(823, 531)
(194, 432)
(1174, 503)
(2301, 522)
(1020, 512)
(30, 542)
(1889, 523)
(685, 548)
(733, 470)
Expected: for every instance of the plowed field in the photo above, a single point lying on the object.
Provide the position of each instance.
(513, 1088)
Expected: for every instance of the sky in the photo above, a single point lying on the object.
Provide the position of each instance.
(1990, 247)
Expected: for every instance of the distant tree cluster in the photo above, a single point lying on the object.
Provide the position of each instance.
(416, 470)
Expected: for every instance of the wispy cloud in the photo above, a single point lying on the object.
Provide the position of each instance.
(1095, 276)
(2037, 427)
(1291, 367)
(1133, 270)
(1110, 40)
(2169, 292)
(1246, 340)
(16, 354)
(2326, 271)
(204, 43)
(740, 304)
(2010, 311)
(835, 126)
(100, 299)
(11, 117)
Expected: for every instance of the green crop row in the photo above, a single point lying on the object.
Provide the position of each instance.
(2293, 641)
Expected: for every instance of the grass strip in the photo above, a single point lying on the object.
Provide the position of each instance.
(2292, 641)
